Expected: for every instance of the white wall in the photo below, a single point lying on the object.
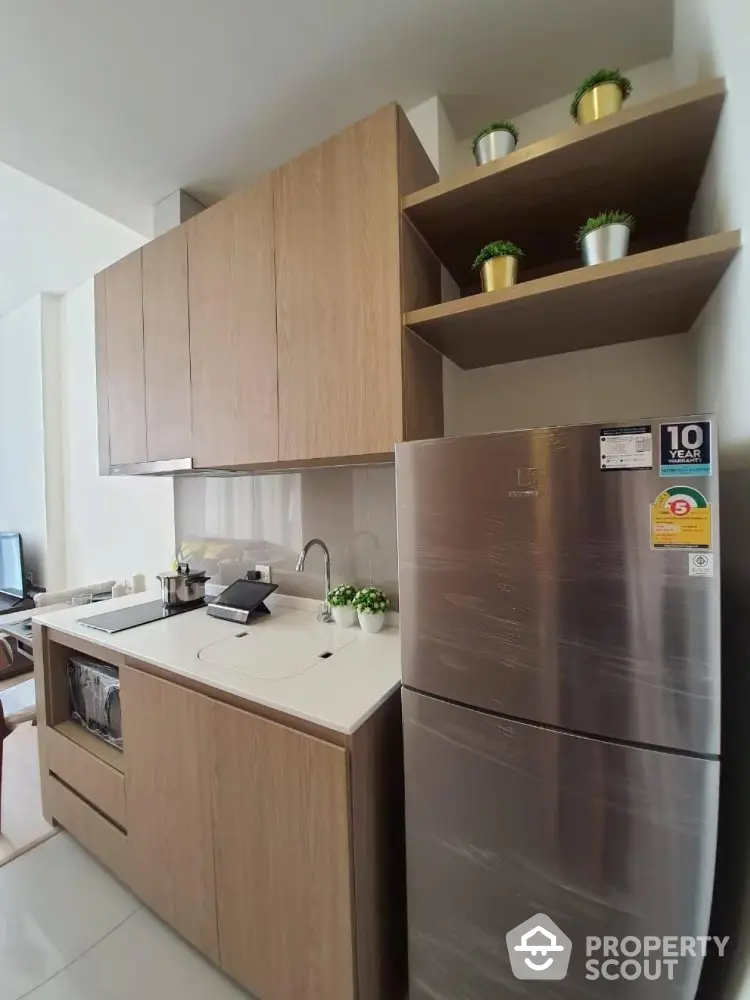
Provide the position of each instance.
(647, 378)
(77, 528)
(114, 526)
(22, 476)
(712, 38)
(55, 567)
(639, 379)
(49, 242)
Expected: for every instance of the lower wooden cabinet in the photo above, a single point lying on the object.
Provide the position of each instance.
(277, 853)
(168, 774)
(282, 859)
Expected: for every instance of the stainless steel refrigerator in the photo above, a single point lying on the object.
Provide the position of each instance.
(559, 603)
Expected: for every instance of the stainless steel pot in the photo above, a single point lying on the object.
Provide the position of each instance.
(181, 586)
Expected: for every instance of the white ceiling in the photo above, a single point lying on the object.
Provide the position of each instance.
(120, 102)
(49, 242)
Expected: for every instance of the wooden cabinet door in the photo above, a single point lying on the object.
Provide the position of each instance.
(168, 762)
(338, 295)
(233, 330)
(282, 860)
(126, 386)
(102, 383)
(166, 341)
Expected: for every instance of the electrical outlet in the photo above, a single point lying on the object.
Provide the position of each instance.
(265, 573)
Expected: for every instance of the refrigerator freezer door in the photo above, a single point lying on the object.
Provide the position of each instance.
(506, 820)
(528, 587)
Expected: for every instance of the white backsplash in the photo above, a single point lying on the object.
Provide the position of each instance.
(227, 525)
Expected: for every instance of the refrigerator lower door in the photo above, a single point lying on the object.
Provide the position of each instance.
(505, 820)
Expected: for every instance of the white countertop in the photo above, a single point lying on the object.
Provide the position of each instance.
(17, 616)
(276, 664)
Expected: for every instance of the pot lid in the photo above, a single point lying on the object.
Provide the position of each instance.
(183, 574)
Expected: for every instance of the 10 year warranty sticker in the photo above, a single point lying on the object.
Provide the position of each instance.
(681, 519)
(685, 449)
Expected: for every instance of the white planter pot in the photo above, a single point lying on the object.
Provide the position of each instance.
(370, 623)
(345, 616)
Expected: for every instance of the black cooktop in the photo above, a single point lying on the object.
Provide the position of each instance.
(139, 614)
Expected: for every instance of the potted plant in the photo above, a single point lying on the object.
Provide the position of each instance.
(341, 602)
(499, 265)
(600, 94)
(605, 237)
(371, 604)
(495, 140)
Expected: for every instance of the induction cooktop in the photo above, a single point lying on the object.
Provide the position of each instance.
(139, 614)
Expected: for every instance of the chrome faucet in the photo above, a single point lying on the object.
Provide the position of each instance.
(324, 612)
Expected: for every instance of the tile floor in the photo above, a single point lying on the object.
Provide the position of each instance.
(21, 822)
(69, 931)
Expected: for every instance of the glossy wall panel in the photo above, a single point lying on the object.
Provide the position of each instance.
(229, 524)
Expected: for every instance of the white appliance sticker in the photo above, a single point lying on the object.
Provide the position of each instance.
(701, 564)
(626, 448)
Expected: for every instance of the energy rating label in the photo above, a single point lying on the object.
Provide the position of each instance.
(680, 519)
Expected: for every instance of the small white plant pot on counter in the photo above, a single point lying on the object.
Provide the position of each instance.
(345, 615)
(369, 622)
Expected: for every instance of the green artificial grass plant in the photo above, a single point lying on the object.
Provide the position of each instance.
(495, 127)
(611, 218)
(500, 248)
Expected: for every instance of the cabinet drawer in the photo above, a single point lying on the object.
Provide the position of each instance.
(100, 837)
(94, 779)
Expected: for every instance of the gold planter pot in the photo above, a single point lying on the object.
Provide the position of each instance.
(499, 272)
(602, 100)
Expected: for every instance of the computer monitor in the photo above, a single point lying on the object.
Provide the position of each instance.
(12, 573)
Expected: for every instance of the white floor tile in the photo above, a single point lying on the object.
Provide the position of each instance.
(142, 959)
(21, 819)
(55, 903)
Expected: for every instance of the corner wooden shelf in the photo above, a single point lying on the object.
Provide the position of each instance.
(648, 160)
(650, 294)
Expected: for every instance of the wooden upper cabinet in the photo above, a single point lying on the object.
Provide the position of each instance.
(338, 296)
(167, 752)
(268, 329)
(102, 386)
(166, 339)
(125, 378)
(283, 882)
(233, 330)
